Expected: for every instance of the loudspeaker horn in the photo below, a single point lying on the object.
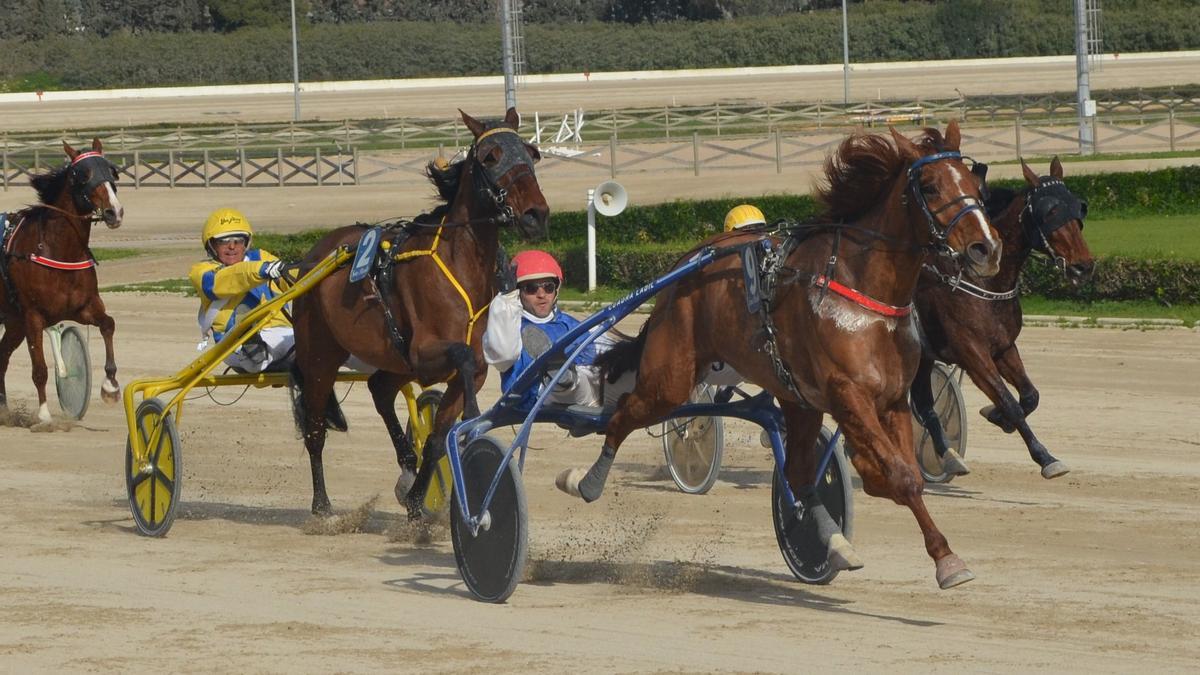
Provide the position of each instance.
(610, 198)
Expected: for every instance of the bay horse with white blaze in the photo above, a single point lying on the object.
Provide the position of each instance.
(422, 317)
(835, 334)
(49, 273)
(976, 326)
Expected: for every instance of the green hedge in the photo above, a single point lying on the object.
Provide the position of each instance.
(881, 30)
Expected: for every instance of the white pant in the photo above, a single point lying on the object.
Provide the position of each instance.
(253, 358)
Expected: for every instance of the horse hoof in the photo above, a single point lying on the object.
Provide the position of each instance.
(952, 571)
(1054, 470)
(953, 465)
(568, 481)
(404, 484)
(842, 555)
(322, 510)
(110, 393)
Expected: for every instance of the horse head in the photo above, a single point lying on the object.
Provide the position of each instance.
(92, 181)
(503, 165)
(1053, 221)
(949, 196)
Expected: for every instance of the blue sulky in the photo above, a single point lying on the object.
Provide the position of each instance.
(507, 411)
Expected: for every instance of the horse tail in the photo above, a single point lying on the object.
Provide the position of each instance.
(623, 357)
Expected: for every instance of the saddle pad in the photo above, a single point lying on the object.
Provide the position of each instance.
(364, 257)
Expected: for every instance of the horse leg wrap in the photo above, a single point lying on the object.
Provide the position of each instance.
(589, 485)
(841, 553)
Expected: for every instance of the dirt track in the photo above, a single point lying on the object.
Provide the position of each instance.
(1097, 571)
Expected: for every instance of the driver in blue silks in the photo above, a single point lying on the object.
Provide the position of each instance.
(523, 323)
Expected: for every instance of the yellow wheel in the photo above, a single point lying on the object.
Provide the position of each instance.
(437, 496)
(154, 488)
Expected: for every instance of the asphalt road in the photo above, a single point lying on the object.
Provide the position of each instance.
(868, 82)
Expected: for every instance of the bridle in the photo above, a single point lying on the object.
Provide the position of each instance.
(90, 170)
(514, 156)
(939, 236)
(1039, 204)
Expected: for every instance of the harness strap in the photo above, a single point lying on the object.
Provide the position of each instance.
(472, 313)
(58, 264)
(956, 283)
(861, 299)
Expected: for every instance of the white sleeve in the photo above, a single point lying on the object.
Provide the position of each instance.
(502, 339)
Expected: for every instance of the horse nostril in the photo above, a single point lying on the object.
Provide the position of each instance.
(979, 252)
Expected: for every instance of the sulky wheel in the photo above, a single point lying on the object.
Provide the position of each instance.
(73, 373)
(951, 410)
(154, 489)
(492, 560)
(440, 484)
(798, 540)
(693, 447)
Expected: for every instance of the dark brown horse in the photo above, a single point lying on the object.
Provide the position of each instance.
(836, 335)
(435, 286)
(976, 326)
(50, 274)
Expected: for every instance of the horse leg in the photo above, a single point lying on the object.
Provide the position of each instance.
(34, 325)
(95, 315)
(384, 387)
(800, 468)
(1013, 369)
(922, 405)
(888, 468)
(14, 333)
(985, 375)
(460, 398)
(662, 386)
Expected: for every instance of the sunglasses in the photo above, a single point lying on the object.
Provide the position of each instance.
(531, 287)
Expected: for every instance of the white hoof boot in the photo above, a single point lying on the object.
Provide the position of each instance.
(842, 555)
(568, 481)
(44, 414)
(953, 465)
(404, 485)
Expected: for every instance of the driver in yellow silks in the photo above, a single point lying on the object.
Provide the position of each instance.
(234, 280)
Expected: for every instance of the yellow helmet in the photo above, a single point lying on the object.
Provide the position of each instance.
(225, 223)
(743, 215)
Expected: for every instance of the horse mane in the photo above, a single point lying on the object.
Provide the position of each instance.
(50, 185)
(998, 200)
(861, 171)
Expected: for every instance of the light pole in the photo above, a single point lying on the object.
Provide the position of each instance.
(506, 47)
(845, 56)
(295, 66)
(1087, 107)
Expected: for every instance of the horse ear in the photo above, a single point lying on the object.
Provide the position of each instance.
(907, 148)
(512, 119)
(71, 152)
(473, 124)
(953, 136)
(1056, 168)
(1030, 176)
(96, 146)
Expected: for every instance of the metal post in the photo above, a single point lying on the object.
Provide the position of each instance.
(695, 153)
(355, 150)
(317, 164)
(242, 165)
(206, 183)
(1017, 128)
(1170, 125)
(137, 176)
(591, 239)
(279, 165)
(1087, 107)
(506, 45)
(295, 66)
(612, 156)
(845, 56)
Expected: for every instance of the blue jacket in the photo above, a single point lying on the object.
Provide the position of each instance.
(555, 329)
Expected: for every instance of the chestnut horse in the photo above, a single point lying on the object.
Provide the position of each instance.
(836, 336)
(976, 326)
(48, 273)
(424, 319)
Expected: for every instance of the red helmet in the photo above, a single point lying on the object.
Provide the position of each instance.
(536, 265)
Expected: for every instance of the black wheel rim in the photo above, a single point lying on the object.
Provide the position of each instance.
(492, 560)
(798, 538)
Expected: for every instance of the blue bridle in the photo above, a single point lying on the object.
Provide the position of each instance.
(939, 236)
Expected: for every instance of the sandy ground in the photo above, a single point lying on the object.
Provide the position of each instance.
(1098, 571)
